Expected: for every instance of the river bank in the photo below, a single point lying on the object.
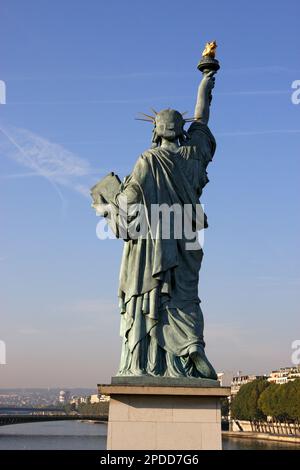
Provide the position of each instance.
(261, 436)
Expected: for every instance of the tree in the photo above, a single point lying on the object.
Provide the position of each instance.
(245, 404)
(293, 405)
(225, 407)
(282, 402)
(100, 408)
(268, 401)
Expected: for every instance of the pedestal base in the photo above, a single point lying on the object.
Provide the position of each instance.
(164, 417)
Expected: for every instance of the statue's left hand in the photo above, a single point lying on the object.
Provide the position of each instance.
(101, 209)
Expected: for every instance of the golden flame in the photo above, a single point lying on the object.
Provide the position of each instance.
(210, 49)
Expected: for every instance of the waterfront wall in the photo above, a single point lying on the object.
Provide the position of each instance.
(277, 428)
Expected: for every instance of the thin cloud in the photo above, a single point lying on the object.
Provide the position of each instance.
(103, 101)
(149, 99)
(255, 132)
(231, 334)
(49, 160)
(29, 331)
(140, 75)
(95, 306)
(279, 280)
(19, 175)
(252, 92)
(264, 69)
(62, 168)
(77, 77)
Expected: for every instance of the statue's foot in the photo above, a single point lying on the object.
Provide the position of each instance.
(203, 365)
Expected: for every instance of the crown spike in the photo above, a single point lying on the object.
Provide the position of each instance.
(148, 116)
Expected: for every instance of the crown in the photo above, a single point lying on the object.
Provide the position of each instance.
(151, 118)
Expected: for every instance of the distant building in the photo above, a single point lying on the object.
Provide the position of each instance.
(78, 400)
(98, 398)
(94, 399)
(225, 378)
(284, 375)
(104, 397)
(240, 380)
(90, 399)
(64, 397)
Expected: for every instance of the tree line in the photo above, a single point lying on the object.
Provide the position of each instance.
(260, 399)
(96, 409)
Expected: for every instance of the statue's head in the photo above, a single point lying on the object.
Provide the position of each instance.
(169, 124)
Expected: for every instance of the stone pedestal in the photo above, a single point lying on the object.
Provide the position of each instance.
(165, 417)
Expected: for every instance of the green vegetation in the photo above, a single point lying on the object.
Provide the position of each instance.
(225, 408)
(94, 409)
(259, 399)
(282, 402)
(245, 405)
(68, 408)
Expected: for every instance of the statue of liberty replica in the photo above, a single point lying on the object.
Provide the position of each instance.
(161, 319)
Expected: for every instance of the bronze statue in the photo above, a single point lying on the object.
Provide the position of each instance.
(161, 319)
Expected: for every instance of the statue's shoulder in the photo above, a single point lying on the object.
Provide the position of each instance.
(144, 161)
(201, 138)
(149, 155)
(199, 130)
(145, 165)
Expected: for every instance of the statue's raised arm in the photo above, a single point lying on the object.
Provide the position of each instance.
(208, 66)
(204, 97)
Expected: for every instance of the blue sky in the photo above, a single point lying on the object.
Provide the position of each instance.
(77, 73)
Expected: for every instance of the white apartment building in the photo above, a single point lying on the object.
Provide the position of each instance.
(240, 380)
(284, 375)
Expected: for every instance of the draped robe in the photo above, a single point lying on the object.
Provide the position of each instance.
(161, 318)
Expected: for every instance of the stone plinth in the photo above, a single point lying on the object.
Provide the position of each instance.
(164, 417)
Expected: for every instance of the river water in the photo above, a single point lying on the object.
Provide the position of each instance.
(78, 435)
